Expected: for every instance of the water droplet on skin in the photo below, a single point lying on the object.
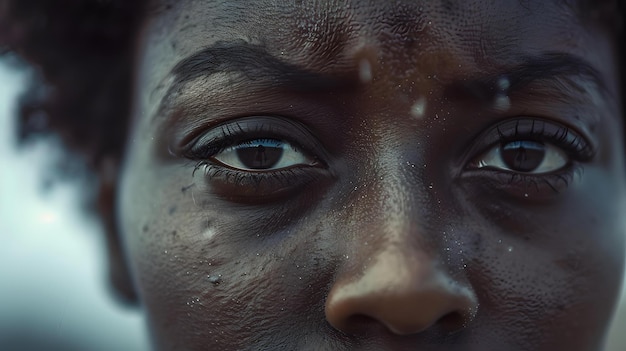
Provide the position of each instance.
(365, 71)
(502, 103)
(430, 186)
(215, 279)
(418, 110)
(510, 249)
(193, 301)
(525, 195)
(504, 84)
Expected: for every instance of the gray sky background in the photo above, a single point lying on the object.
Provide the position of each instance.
(53, 292)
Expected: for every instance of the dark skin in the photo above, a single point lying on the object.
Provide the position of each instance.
(374, 176)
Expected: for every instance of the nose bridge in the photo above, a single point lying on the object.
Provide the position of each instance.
(393, 207)
(395, 277)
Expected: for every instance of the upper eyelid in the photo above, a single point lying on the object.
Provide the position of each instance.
(232, 139)
(525, 127)
(249, 128)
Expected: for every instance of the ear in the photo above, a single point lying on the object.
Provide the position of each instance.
(119, 274)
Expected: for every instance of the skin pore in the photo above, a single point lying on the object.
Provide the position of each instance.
(351, 175)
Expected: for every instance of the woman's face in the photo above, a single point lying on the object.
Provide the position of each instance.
(380, 175)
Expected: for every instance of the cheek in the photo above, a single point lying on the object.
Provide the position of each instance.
(552, 268)
(205, 267)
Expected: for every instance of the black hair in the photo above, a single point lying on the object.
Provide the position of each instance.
(82, 53)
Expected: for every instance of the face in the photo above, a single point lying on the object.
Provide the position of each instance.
(350, 175)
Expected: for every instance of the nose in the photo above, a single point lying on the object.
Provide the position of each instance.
(403, 289)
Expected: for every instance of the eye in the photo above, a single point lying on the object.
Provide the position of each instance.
(528, 157)
(257, 159)
(524, 156)
(263, 155)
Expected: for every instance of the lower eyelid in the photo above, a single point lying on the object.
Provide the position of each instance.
(235, 185)
(523, 185)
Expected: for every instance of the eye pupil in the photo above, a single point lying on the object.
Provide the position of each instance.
(523, 156)
(261, 154)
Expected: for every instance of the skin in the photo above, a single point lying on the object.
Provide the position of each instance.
(388, 234)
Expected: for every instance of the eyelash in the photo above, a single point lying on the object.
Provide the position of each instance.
(204, 149)
(577, 148)
(564, 137)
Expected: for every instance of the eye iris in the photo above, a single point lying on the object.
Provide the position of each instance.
(523, 156)
(260, 154)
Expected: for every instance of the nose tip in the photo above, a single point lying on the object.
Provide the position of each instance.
(403, 304)
(401, 315)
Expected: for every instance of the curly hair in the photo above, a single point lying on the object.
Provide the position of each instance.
(83, 52)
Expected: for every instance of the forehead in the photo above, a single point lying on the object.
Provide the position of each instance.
(328, 35)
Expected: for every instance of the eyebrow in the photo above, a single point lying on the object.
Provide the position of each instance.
(255, 63)
(548, 66)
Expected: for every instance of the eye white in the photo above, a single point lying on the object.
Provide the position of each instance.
(554, 159)
(289, 155)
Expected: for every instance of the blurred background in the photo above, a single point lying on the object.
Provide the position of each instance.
(53, 289)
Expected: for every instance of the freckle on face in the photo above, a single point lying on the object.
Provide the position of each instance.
(342, 177)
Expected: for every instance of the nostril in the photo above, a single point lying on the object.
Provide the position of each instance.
(452, 322)
(401, 296)
(362, 323)
(359, 323)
